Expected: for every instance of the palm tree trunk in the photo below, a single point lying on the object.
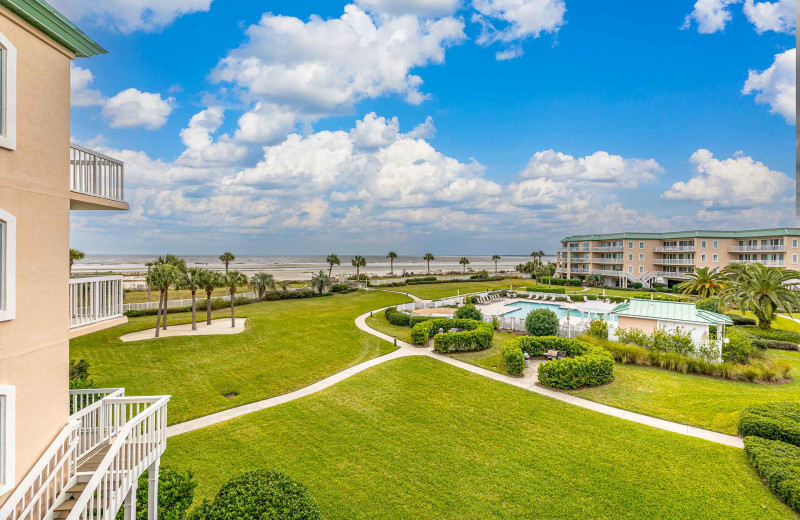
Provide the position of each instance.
(391, 268)
(233, 308)
(330, 270)
(208, 307)
(166, 299)
(429, 267)
(194, 310)
(158, 315)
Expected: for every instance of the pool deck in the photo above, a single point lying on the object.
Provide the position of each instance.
(499, 307)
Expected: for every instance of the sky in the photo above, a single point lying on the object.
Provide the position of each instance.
(451, 126)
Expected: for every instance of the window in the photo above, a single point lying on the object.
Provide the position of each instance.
(630, 245)
(716, 244)
(794, 259)
(641, 269)
(630, 257)
(715, 258)
(7, 444)
(641, 245)
(8, 94)
(8, 251)
(703, 257)
(641, 257)
(630, 268)
(702, 244)
(794, 243)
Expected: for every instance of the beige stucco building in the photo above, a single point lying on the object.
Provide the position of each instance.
(626, 258)
(47, 432)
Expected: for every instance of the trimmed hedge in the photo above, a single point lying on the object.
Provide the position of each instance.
(588, 365)
(546, 289)
(778, 463)
(573, 282)
(741, 320)
(396, 317)
(776, 421)
(476, 335)
(201, 306)
(513, 359)
(787, 336)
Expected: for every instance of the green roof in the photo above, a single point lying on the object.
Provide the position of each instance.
(747, 233)
(42, 16)
(672, 311)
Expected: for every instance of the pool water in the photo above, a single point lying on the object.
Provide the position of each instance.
(523, 308)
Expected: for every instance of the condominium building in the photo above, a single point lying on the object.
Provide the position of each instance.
(63, 453)
(626, 258)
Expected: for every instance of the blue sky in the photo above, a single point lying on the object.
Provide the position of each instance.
(268, 127)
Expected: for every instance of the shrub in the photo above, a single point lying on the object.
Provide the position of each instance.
(587, 365)
(260, 495)
(175, 494)
(573, 282)
(418, 318)
(637, 285)
(400, 319)
(421, 279)
(739, 348)
(480, 275)
(740, 320)
(776, 421)
(340, 288)
(775, 344)
(468, 312)
(546, 289)
(659, 340)
(708, 304)
(216, 304)
(513, 358)
(598, 329)
(778, 463)
(773, 334)
(475, 336)
(541, 322)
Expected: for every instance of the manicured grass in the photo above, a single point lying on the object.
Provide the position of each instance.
(701, 401)
(379, 323)
(286, 345)
(416, 438)
(442, 290)
(781, 322)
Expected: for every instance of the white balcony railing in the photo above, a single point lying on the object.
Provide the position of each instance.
(674, 261)
(607, 272)
(746, 249)
(606, 249)
(92, 173)
(94, 299)
(768, 263)
(618, 261)
(673, 249)
(580, 271)
(670, 274)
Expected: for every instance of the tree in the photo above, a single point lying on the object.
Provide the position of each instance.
(208, 281)
(74, 254)
(332, 260)
(527, 268)
(468, 312)
(358, 262)
(594, 279)
(537, 256)
(464, 261)
(149, 266)
(162, 277)
(762, 290)
(495, 258)
(232, 281)
(542, 322)
(392, 256)
(226, 258)
(320, 282)
(180, 265)
(429, 258)
(705, 282)
(261, 283)
(191, 280)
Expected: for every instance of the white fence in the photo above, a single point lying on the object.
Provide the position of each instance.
(439, 278)
(93, 173)
(94, 299)
(179, 304)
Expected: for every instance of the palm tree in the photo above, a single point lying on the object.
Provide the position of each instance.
(149, 266)
(428, 258)
(260, 283)
(594, 279)
(464, 261)
(320, 282)
(162, 277)
(762, 290)
(392, 256)
(495, 258)
(232, 281)
(226, 258)
(74, 254)
(285, 285)
(358, 262)
(191, 280)
(705, 282)
(332, 260)
(208, 281)
(180, 265)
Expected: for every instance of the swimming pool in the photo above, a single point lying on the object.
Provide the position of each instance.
(521, 310)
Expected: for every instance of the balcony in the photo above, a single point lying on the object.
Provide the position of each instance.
(670, 274)
(95, 303)
(748, 249)
(607, 272)
(606, 249)
(767, 263)
(91, 469)
(96, 181)
(674, 261)
(674, 249)
(617, 261)
(579, 271)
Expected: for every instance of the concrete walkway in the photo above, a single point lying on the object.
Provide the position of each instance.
(218, 326)
(527, 382)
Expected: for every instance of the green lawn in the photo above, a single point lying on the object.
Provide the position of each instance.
(691, 399)
(287, 345)
(780, 322)
(442, 290)
(415, 438)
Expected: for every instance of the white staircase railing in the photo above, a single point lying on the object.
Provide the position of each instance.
(80, 399)
(139, 426)
(94, 427)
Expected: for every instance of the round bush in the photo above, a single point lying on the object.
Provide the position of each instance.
(777, 421)
(586, 365)
(513, 359)
(260, 495)
(469, 312)
(541, 322)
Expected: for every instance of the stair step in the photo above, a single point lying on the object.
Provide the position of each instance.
(66, 505)
(61, 515)
(77, 488)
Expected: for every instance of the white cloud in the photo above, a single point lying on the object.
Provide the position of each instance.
(511, 21)
(736, 182)
(598, 168)
(779, 16)
(776, 86)
(127, 16)
(301, 71)
(430, 8)
(132, 107)
(709, 15)
(200, 146)
(81, 95)
(374, 131)
(424, 130)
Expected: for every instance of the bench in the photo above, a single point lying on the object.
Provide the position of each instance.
(555, 354)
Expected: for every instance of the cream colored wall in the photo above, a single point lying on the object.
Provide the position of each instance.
(34, 187)
(626, 322)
